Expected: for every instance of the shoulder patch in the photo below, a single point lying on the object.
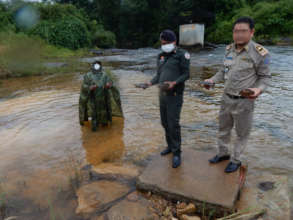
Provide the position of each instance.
(261, 50)
(267, 61)
(187, 55)
(229, 47)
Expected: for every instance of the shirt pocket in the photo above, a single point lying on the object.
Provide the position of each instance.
(173, 62)
(245, 68)
(245, 64)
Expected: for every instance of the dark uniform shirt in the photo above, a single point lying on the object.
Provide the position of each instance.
(173, 66)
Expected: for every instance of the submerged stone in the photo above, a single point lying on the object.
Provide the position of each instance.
(99, 196)
(267, 192)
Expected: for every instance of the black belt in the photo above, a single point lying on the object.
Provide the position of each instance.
(235, 96)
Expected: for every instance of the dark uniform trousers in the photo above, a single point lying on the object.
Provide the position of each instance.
(170, 108)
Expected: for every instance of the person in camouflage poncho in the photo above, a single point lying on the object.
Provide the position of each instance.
(98, 97)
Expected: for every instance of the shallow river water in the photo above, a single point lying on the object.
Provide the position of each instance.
(40, 133)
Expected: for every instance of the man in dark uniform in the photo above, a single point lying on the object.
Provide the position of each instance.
(172, 72)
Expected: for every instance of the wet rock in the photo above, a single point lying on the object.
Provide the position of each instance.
(244, 215)
(115, 170)
(159, 204)
(86, 167)
(149, 195)
(181, 205)
(266, 186)
(98, 196)
(131, 210)
(108, 51)
(189, 209)
(12, 218)
(273, 196)
(55, 65)
(98, 218)
(186, 217)
(133, 197)
(168, 212)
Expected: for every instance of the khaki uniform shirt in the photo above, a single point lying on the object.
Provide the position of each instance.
(248, 68)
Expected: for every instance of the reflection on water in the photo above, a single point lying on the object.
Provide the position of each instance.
(104, 145)
(39, 125)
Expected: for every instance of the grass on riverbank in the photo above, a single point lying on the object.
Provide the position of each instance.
(22, 55)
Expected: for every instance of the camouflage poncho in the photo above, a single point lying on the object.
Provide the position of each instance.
(101, 102)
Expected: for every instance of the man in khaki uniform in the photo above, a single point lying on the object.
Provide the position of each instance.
(246, 66)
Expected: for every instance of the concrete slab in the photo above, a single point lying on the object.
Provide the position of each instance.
(196, 180)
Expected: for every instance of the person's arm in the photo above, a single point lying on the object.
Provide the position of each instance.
(219, 76)
(85, 87)
(264, 76)
(184, 66)
(108, 82)
(155, 79)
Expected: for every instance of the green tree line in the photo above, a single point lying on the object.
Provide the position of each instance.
(137, 23)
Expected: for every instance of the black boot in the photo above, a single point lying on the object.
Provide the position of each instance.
(176, 160)
(218, 159)
(232, 167)
(166, 151)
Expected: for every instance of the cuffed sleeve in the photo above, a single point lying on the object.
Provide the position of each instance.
(219, 76)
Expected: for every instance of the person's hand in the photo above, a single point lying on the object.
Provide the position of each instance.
(93, 87)
(108, 85)
(209, 81)
(149, 84)
(171, 84)
(257, 92)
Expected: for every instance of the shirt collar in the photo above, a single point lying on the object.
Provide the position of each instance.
(246, 47)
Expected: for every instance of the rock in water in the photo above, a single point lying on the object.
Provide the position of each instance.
(97, 196)
(130, 210)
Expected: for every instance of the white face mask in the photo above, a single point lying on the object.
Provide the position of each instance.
(168, 48)
(97, 66)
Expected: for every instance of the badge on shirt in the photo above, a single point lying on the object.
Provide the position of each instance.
(245, 58)
(162, 59)
(187, 56)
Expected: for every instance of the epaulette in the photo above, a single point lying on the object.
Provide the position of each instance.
(261, 50)
(229, 47)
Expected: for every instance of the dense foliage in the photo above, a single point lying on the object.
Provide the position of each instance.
(137, 23)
